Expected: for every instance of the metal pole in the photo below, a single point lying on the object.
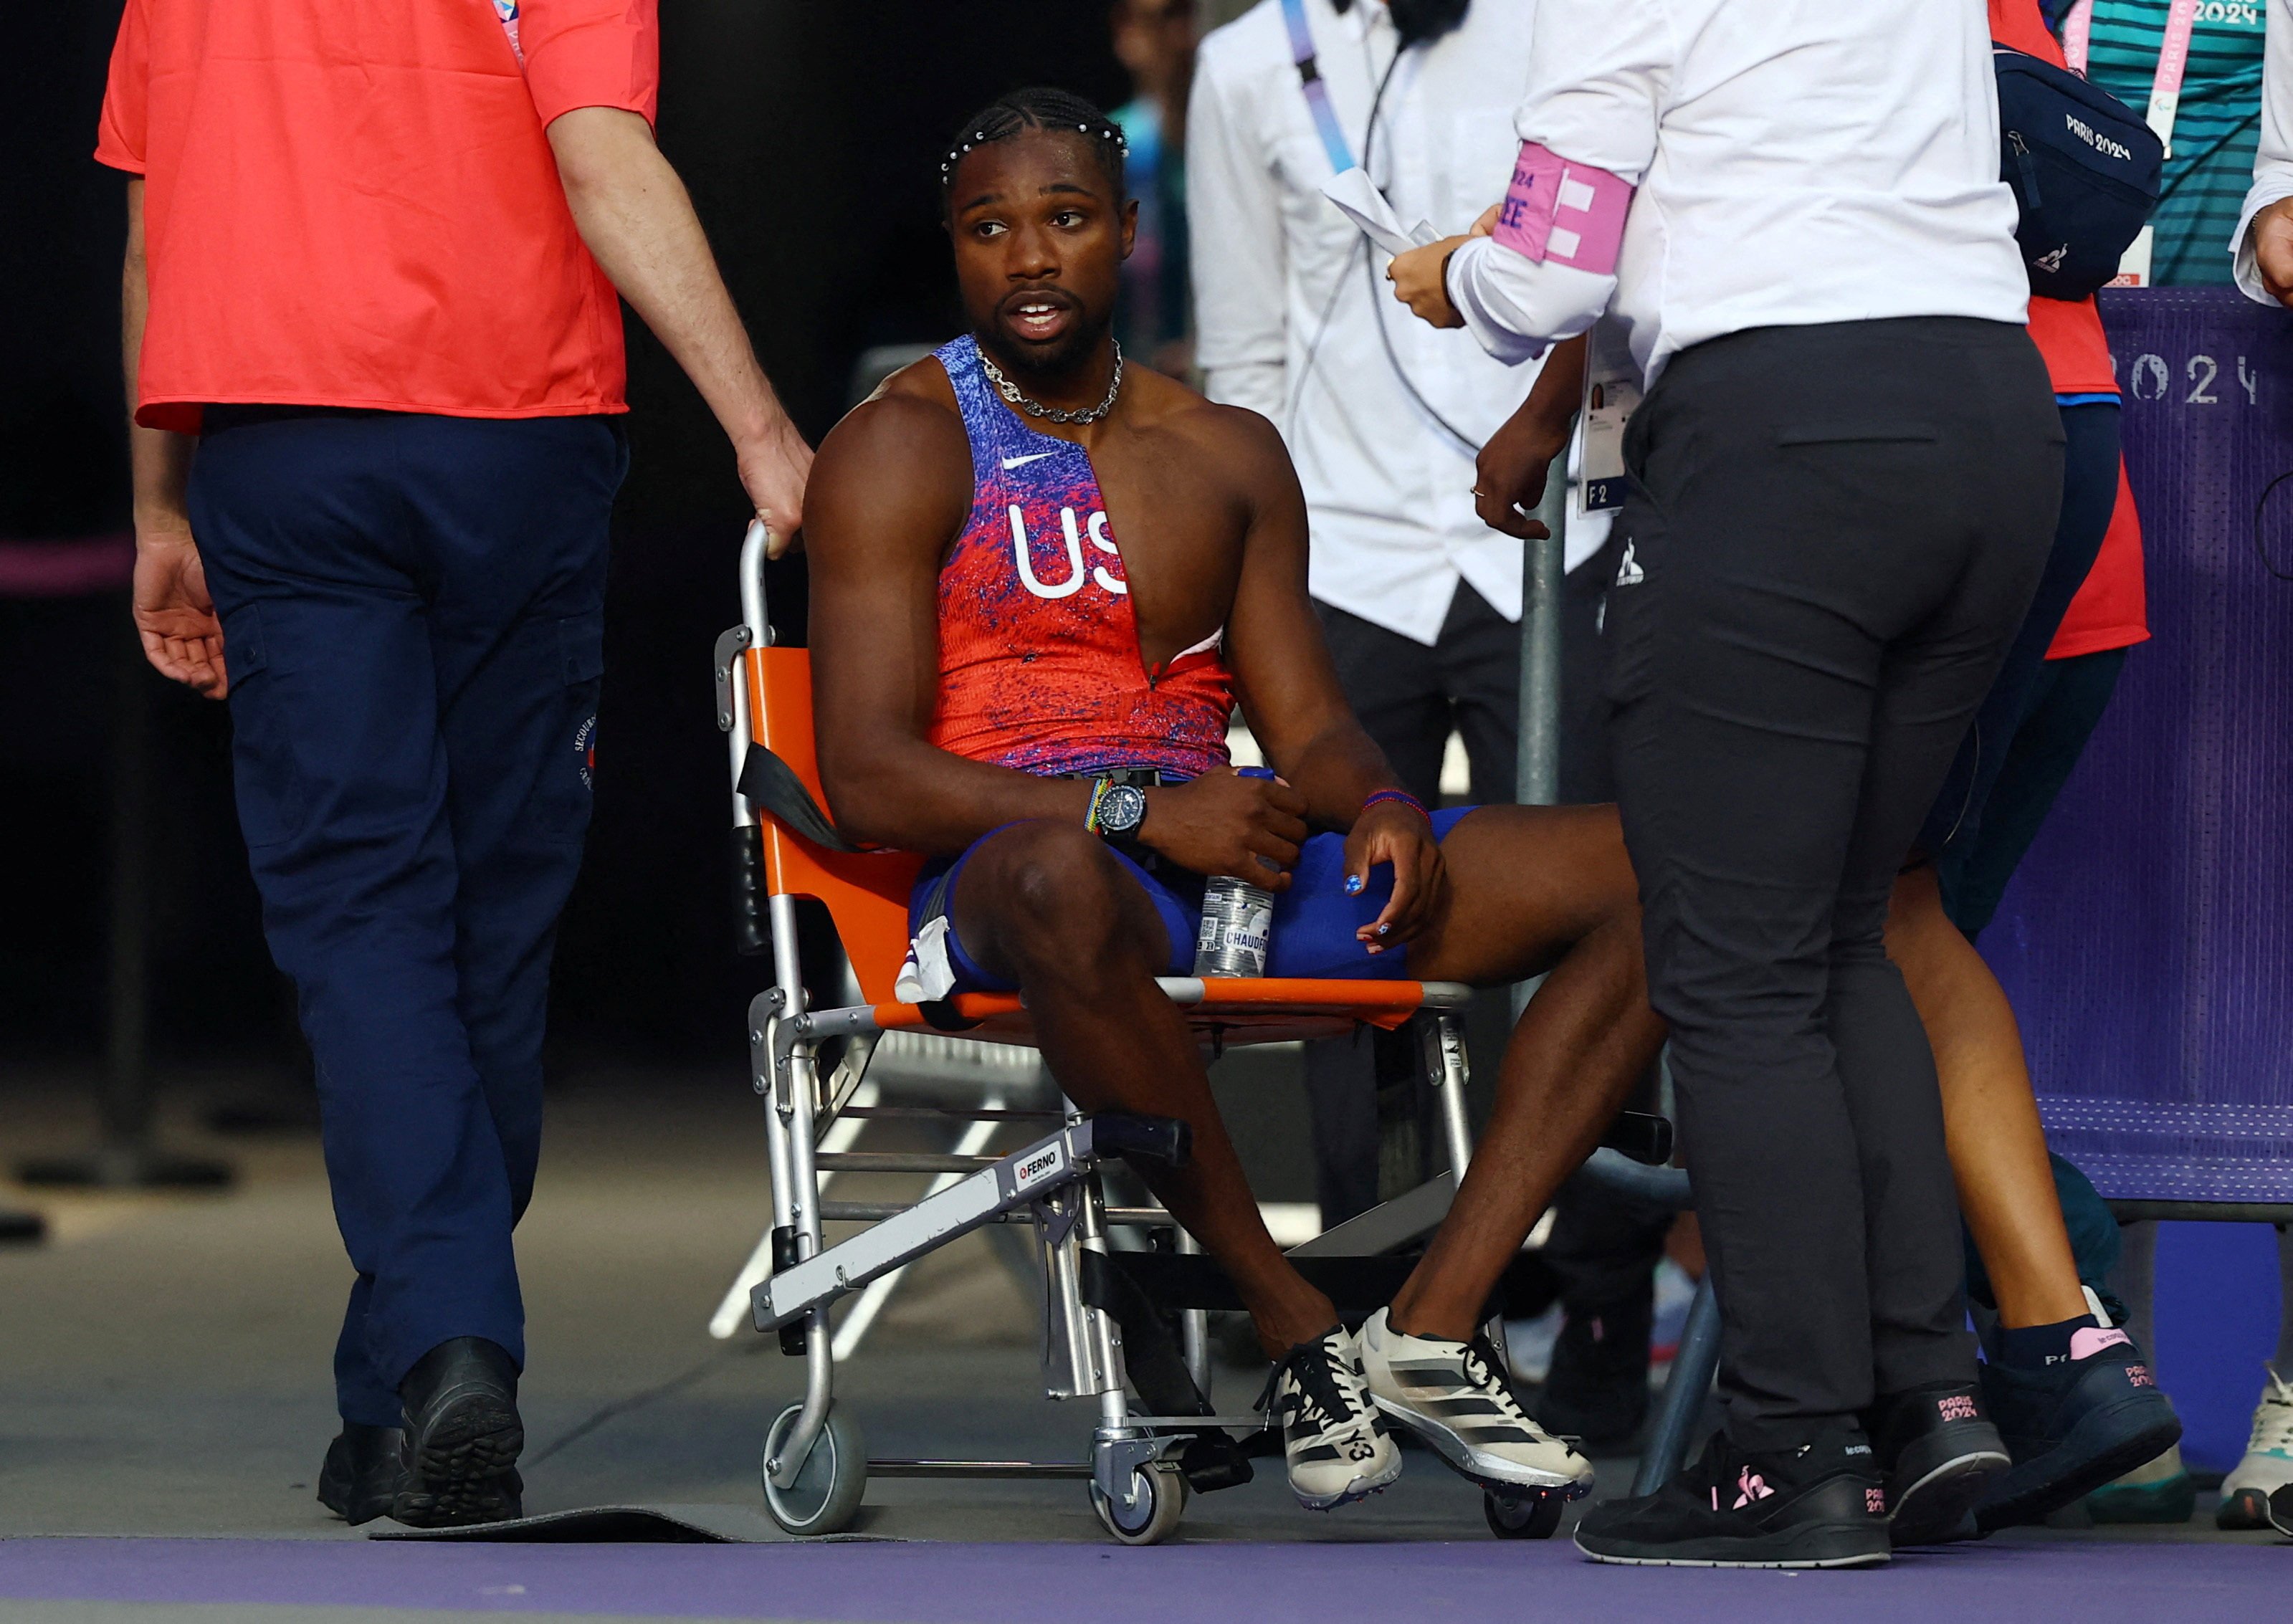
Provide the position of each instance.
(125, 1157)
(1692, 1368)
(1537, 777)
(1536, 774)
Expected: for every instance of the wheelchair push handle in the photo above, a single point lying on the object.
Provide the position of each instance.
(1644, 1137)
(1161, 1141)
(755, 551)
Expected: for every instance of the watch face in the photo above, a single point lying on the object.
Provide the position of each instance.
(1123, 810)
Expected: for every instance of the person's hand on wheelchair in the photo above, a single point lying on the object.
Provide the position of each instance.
(1225, 823)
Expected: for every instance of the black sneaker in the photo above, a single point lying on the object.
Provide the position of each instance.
(1939, 1453)
(463, 1437)
(1822, 1504)
(2073, 1426)
(364, 1469)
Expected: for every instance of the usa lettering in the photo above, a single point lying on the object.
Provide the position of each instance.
(1022, 556)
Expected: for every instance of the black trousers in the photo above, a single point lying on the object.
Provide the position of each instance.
(1835, 531)
(1411, 698)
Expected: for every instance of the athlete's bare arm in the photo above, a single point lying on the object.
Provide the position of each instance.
(1292, 700)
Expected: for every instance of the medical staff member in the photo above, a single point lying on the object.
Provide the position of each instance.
(1420, 601)
(1845, 478)
(374, 351)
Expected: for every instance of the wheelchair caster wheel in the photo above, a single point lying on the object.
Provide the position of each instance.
(827, 1490)
(1153, 1516)
(1531, 1515)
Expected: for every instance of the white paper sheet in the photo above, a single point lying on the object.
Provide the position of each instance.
(1363, 204)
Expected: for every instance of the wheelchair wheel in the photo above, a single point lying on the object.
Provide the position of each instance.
(1153, 1516)
(1528, 1516)
(827, 1490)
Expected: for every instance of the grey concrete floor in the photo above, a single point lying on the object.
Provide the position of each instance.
(164, 1360)
(163, 1371)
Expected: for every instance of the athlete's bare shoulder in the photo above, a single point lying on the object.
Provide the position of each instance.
(1236, 447)
(896, 471)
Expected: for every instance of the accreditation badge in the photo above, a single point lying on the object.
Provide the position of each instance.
(1612, 393)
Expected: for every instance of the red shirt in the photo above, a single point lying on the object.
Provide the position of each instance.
(2068, 334)
(1040, 666)
(2111, 610)
(354, 204)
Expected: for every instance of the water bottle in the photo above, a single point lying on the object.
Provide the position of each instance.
(1237, 921)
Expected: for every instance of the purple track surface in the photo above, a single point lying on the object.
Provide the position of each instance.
(2097, 1581)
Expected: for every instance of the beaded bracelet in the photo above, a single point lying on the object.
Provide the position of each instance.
(1402, 796)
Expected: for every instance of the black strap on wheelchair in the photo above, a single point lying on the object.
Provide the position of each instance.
(1212, 1460)
(1167, 1280)
(771, 783)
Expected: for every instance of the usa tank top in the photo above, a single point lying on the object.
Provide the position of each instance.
(1040, 666)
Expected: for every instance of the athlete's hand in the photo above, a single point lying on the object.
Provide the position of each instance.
(774, 469)
(182, 637)
(1224, 823)
(1420, 280)
(2273, 249)
(1396, 832)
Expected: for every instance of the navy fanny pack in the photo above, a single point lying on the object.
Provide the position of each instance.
(2084, 168)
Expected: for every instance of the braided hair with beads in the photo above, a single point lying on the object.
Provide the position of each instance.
(1041, 108)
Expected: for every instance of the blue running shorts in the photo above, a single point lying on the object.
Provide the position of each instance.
(1314, 920)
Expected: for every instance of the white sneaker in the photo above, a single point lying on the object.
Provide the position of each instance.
(1336, 1447)
(1452, 1395)
(2268, 1463)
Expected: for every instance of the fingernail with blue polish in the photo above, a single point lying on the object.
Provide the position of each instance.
(1353, 884)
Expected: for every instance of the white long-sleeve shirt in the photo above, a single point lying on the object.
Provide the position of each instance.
(1290, 299)
(1798, 161)
(2273, 162)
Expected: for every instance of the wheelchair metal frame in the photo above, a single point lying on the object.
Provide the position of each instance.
(1053, 1185)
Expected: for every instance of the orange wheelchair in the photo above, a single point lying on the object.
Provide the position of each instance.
(1109, 1311)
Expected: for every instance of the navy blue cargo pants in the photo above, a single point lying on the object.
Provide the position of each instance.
(413, 621)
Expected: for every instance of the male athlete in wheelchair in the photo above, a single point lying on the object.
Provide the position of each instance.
(1041, 710)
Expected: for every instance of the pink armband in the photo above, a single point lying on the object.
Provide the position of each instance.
(1570, 212)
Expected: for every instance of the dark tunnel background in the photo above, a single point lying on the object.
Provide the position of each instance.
(809, 132)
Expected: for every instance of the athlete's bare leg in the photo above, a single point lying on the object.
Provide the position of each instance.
(1048, 906)
(1998, 1145)
(1533, 891)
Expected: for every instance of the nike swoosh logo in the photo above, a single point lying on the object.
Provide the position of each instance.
(1010, 462)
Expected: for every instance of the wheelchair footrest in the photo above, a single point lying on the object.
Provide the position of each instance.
(1017, 1179)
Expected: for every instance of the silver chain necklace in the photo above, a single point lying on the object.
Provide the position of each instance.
(1055, 414)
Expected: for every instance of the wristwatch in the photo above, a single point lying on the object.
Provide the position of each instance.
(1120, 809)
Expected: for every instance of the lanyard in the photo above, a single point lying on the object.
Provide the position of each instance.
(506, 11)
(2173, 60)
(1317, 90)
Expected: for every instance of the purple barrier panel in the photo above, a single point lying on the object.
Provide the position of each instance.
(2147, 943)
